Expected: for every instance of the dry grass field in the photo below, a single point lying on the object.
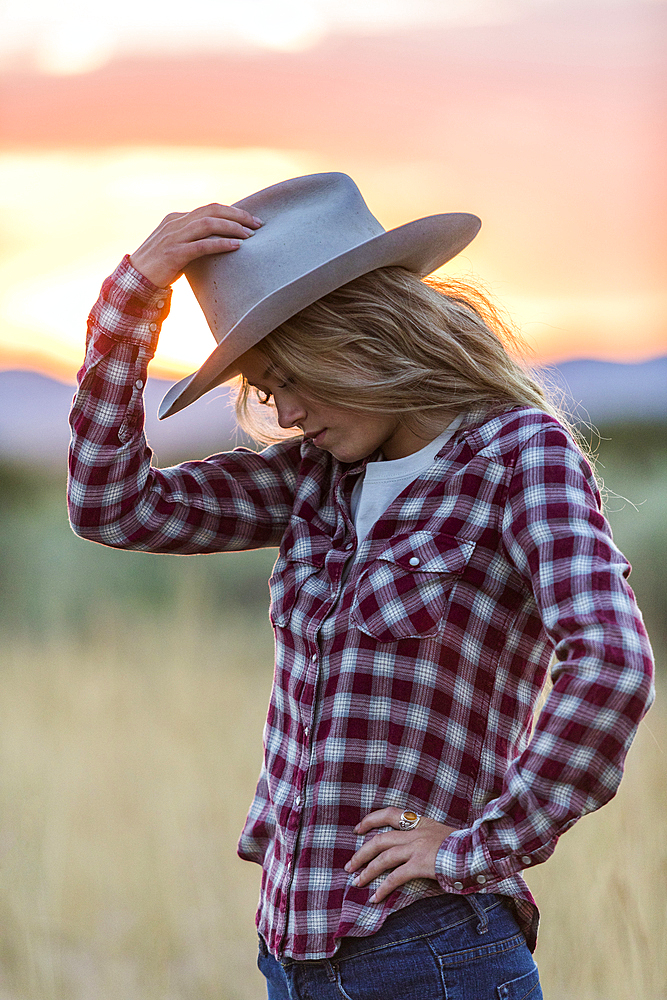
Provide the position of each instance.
(127, 764)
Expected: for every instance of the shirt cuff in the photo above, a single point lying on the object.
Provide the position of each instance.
(464, 864)
(130, 308)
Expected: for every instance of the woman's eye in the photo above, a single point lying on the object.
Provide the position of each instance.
(264, 396)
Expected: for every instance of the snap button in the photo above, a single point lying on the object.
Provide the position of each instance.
(481, 879)
(349, 546)
(306, 730)
(526, 860)
(297, 801)
(160, 304)
(314, 657)
(153, 327)
(139, 383)
(458, 885)
(414, 561)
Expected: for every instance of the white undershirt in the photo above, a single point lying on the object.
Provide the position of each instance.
(375, 491)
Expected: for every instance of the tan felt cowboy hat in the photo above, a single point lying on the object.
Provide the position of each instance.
(318, 234)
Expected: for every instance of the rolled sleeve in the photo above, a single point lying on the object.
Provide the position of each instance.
(233, 500)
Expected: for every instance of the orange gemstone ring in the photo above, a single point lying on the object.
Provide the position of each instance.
(408, 820)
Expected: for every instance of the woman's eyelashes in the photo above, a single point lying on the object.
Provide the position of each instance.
(265, 395)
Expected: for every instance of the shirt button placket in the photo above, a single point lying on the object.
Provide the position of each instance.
(298, 800)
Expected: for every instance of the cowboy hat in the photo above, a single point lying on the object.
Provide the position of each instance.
(318, 234)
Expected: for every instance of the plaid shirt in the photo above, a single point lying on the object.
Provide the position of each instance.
(413, 680)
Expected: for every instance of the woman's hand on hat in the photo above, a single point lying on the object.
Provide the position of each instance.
(409, 853)
(184, 236)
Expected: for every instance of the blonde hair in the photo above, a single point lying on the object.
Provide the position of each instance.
(391, 342)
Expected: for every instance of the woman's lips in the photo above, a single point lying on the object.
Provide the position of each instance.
(317, 437)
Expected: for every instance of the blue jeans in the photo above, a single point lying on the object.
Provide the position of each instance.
(440, 948)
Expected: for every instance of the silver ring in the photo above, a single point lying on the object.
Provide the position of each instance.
(408, 820)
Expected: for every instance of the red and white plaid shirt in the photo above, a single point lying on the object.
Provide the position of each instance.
(411, 682)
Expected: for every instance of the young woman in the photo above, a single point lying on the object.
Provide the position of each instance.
(441, 540)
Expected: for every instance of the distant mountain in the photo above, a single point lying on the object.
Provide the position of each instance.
(34, 408)
(34, 411)
(606, 392)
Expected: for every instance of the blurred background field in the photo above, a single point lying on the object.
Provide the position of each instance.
(132, 697)
(133, 688)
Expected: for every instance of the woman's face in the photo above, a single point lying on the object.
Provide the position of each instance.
(347, 435)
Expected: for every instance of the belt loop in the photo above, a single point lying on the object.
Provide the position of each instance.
(479, 911)
(330, 970)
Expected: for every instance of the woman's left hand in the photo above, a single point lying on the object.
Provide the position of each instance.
(410, 853)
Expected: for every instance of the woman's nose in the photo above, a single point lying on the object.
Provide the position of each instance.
(290, 410)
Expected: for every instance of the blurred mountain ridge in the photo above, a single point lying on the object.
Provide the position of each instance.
(34, 427)
(34, 409)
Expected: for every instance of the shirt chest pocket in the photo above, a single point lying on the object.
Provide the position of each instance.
(302, 555)
(404, 593)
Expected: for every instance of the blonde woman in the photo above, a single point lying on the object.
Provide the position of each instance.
(440, 541)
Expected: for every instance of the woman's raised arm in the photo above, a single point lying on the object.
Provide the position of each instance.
(232, 501)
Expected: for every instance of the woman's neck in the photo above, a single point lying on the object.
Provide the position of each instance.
(406, 441)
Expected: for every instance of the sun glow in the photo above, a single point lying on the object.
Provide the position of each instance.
(622, 327)
(68, 218)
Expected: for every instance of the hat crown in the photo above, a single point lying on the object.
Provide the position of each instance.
(307, 222)
(318, 235)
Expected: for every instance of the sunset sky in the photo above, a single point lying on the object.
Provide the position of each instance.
(546, 118)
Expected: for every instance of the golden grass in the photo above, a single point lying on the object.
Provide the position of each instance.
(127, 768)
(603, 894)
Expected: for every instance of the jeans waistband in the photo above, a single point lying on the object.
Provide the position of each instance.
(418, 919)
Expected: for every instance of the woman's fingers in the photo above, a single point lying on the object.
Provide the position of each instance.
(376, 854)
(389, 816)
(182, 237)
(404, 859)
(406, 854)
(227, 212)
(213, 211)
(391, 856)
(394, 880)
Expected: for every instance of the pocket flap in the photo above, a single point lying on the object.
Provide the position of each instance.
(422, 552)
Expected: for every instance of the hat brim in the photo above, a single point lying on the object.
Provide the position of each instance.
(420, 246)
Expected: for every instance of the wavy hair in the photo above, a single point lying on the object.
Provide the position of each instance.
(391, 342)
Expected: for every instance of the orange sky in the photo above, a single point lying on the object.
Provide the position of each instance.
(549, 126)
